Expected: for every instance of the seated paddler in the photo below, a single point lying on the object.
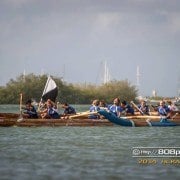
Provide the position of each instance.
(164, 111)
(115, 107)
(50, 111)
(94, 108)
(144, 108)
(68, 109)
(30, 110)
(103, 105)
(126, 109)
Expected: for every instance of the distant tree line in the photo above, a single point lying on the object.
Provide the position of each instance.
(32, 86)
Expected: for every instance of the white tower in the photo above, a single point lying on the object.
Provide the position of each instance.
(106, 77)
(138, 76)
(154, 93)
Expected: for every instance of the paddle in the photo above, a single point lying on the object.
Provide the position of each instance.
(141, 117)
(82, 114)
(137, 107)
(20, 109)
(174, 115)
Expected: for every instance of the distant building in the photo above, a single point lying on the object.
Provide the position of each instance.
(154, 93)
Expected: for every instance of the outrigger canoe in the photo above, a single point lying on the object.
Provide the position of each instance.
(139, 121)
(12, 119)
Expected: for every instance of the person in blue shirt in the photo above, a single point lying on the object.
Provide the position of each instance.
(50, 111)
(94, 108)
(68, 109)
(30, 111)
(115, 108)
(144, 108)
(163, 110)
(126, 109)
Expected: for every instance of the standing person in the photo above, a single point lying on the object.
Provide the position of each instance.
(115, 108)
(144, 108)
(94, 108)
(126, 108)
(30, 111)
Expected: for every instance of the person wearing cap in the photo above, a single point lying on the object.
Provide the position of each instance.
(30, 111)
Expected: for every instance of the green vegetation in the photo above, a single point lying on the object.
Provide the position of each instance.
(32, 86)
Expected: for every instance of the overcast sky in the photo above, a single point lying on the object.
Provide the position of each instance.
(71, 38)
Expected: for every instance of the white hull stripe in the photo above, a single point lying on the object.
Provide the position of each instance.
(132, 122)
(148, 121)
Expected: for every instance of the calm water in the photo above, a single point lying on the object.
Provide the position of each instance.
(83, 152)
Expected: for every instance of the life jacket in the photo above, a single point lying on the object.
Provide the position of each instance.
(31, 112)
(69, 110)
(53, 113)
(115, 109)
(163, 110)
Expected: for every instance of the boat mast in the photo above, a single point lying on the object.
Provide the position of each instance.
(105, 72)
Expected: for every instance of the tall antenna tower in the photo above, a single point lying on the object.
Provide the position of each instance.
(178, 88)
(103, 76)
(63, 72)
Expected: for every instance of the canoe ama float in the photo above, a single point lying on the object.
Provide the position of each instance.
(145, 121)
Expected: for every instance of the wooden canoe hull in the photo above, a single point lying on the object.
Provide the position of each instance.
(54, 122)
(9, 115)
(10, 119)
